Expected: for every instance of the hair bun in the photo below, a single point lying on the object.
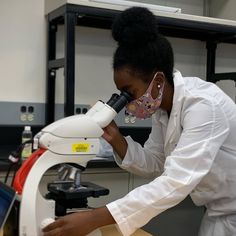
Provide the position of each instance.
(135, 26)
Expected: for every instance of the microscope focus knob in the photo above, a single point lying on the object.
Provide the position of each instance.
(46, 222)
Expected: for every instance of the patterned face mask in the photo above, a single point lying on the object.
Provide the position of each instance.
(146, 105)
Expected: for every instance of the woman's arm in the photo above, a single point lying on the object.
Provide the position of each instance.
(79, 224)
(144, 161)
(113, 136)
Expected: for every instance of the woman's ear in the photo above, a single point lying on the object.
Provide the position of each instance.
(158, 83)
(159, 80)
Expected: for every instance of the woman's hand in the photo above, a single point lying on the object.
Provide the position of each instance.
(79, 224)
(113, 136)
(76, 224)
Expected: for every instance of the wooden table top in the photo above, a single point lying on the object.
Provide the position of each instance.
(111, 230)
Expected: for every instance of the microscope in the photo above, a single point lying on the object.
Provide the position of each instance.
(72, 141)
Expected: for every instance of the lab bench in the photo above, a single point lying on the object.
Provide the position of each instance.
(183, 219)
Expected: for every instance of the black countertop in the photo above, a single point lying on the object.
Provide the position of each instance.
(107, 162)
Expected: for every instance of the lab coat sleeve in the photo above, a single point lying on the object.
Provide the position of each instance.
(205, 128)
(147, 161)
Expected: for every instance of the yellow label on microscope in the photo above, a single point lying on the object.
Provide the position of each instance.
(81, 147)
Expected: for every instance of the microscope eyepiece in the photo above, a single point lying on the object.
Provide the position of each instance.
(113, 99)
(118, 102)
(127, 96)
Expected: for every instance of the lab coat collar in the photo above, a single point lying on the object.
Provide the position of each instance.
(162, 117)
(173, 126)
(179, 92)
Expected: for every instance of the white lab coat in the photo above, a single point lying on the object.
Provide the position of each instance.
(191, 152)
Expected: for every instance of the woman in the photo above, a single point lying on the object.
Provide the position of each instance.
(191, 148)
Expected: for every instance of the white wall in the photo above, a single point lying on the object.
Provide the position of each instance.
(223, 9)
(226, 61)
(23, 54)
(22, 50)
(94, 49)
(94, 63)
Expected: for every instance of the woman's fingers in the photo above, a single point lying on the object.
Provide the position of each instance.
(55, 232)
(53, 226)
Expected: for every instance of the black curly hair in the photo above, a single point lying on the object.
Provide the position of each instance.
(140, 46)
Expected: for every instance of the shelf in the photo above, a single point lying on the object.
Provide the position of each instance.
(72, 13)
(225, 76)
(170, 24)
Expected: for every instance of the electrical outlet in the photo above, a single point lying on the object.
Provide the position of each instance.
(81, 108)
(27, 113)
(30, 113)
(23, 113)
